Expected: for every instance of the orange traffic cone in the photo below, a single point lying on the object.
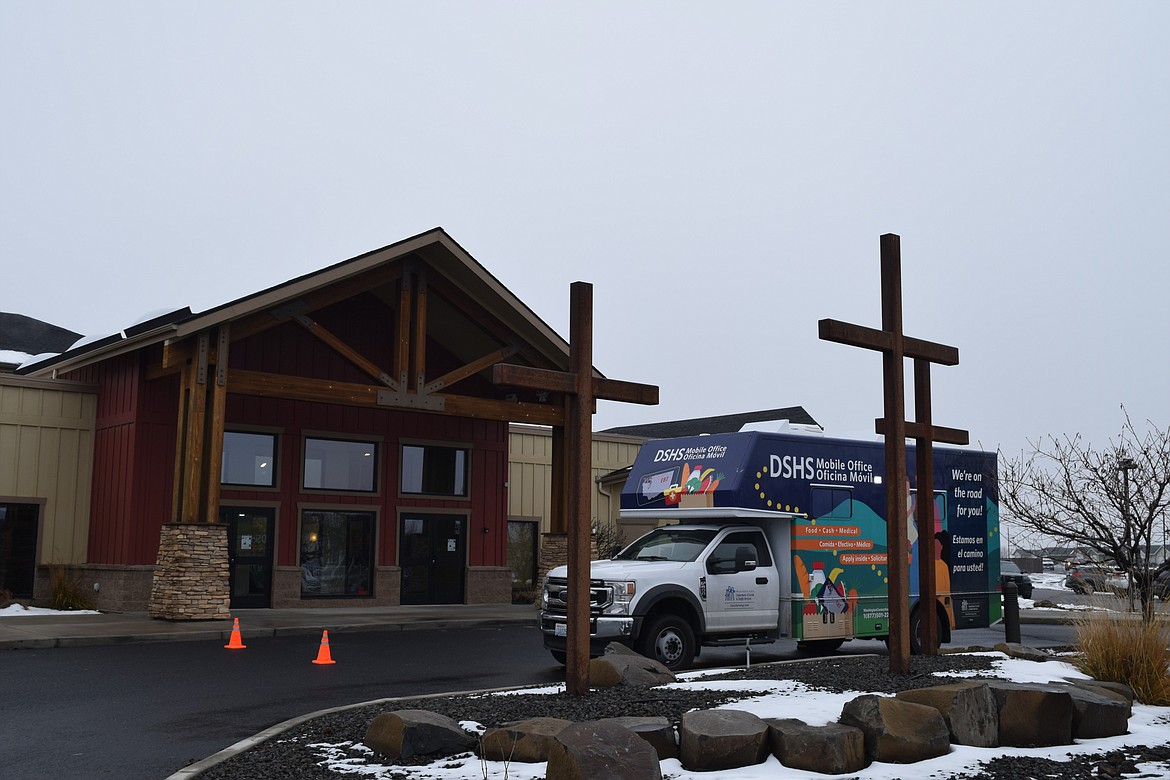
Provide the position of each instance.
(235, 643)
(323, 656)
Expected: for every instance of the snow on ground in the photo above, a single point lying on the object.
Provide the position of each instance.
(19, 610)
(788, 699)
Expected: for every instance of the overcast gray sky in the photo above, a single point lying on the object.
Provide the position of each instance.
(720, 172)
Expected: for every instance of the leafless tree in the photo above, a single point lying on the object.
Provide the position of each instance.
(1065, 490)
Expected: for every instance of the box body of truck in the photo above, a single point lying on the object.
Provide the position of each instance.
(821, 572)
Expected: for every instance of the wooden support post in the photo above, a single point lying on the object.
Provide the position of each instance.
(213, 432)
(199, 437)
(579, 441)
(895, 347)
(924, 481)
(582, 389)
(897, 548)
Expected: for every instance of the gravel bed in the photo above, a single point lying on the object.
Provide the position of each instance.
(286, 757)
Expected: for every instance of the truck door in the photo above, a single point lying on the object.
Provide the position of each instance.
(742, 584)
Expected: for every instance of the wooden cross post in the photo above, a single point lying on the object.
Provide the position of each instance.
(582, 389)
(895, 347)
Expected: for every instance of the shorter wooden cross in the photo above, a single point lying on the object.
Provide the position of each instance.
(582, 388)
(895, 346)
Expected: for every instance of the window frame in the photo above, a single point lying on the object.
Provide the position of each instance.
(275, 435)
(466, 449)
(375, 466)
(373, 517)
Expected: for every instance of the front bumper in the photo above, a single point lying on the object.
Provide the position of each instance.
(603, 629)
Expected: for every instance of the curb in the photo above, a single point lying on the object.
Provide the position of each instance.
(207, 635)
(246, 744)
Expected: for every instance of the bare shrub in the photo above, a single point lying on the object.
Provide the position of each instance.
(1119, 648)
(67, 591)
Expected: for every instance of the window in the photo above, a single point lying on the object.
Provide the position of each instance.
(434, 471)
(831, 502)
(680, 545)
(337, 553)
(18, 548)
(248, 459)
(522, 535)
(723, 558)
(331, 464)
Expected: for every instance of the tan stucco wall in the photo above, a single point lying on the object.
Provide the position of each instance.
(46, 458)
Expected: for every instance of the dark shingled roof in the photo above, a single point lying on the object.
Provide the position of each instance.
(727, 423)
(24, 334)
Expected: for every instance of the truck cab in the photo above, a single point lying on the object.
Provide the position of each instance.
(675, 589)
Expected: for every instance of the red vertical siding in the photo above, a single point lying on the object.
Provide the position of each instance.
(136, 430)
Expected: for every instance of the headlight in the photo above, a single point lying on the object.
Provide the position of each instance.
(623, 594)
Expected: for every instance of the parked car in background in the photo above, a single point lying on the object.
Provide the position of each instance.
(1162, 585)
(1093, 579)
(1047, 564)
(1010, 572)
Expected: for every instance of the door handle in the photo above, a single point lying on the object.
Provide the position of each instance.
(761, 580)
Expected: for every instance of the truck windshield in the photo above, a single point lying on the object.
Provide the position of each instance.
(680, 545)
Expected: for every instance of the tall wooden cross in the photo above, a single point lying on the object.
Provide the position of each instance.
(895, 347)
(582, 390)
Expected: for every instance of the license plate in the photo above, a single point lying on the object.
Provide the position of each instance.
(560, 629)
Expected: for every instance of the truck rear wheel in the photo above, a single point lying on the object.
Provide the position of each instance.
(916, 630)
(669, 640)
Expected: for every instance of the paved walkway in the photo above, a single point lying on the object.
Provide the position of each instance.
(71, 630)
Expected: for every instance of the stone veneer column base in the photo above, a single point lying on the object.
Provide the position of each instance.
(191, 577)
(554, 552)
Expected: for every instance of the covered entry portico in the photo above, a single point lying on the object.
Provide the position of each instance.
(336, 440)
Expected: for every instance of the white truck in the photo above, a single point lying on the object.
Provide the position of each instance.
(779, 535)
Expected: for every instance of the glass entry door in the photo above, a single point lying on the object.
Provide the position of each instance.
(433, 557)
(250, 531)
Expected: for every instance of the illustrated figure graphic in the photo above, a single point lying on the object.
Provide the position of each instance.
(832, 596)
(816, 584)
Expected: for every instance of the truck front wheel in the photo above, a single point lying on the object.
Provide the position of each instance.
(669, 640)
(560, 656)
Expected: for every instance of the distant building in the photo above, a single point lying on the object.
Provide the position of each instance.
(22, 338)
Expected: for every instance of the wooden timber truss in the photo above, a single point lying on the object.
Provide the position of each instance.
(202, 361)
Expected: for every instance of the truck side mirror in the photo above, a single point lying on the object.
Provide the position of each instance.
(745, 559)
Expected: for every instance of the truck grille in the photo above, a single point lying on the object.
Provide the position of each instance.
(600, 596)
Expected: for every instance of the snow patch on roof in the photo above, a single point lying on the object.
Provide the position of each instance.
(12, 357)
(782, 426)
(81, 342)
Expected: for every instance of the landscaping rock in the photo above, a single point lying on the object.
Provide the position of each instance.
(528, 741)
(1023, 652)
(710, 740)
(1098, 713)
(1120, 689)
(897, 731)
(409, 733)
(969, 710)
(610, 671)
(657, 731)
(832, 749)
(601, 750)
(1032, 715)
(617, 648)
